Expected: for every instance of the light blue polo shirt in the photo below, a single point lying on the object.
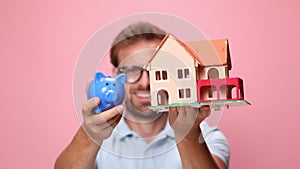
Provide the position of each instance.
(125, 149)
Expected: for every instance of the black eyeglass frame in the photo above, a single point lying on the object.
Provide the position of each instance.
(126, 69)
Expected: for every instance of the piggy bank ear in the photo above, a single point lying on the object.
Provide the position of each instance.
(99, 76)
(121, 78)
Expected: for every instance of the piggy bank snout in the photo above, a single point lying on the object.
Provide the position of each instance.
(111, 96)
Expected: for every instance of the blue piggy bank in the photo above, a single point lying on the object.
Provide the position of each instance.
(109, 89)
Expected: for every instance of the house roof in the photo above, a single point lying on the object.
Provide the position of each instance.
(182, 44)
(205, 53)
(212, 52)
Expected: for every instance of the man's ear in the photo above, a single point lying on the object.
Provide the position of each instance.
(115, 71)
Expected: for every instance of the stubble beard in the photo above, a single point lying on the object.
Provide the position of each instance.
(136, 115)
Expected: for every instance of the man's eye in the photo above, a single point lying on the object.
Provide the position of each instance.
(133, 70)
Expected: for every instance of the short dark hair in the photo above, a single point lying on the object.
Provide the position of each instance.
(132, 34)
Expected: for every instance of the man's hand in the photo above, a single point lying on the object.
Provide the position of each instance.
(99, 126)
(185, 121)
(193, 150)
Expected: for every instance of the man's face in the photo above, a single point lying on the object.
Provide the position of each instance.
(137, 54)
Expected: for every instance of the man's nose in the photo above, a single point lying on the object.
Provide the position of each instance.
(144, 81)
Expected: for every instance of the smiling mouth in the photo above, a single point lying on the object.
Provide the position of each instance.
(143, 95)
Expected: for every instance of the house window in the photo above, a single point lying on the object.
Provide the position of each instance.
(181, 93)
(161, 75)
(186, 73)
(188, 93)
(157, 75)
(179, 72)
(183, 73)
(184, 93)
(164, 75)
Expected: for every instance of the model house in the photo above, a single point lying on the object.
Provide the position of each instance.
(193, 73)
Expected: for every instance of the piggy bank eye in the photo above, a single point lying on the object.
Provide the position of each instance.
(114, 84)
(106, 84)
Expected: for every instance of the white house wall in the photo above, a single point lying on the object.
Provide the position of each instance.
(171, 61)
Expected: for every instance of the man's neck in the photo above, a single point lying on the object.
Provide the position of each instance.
(147, 130)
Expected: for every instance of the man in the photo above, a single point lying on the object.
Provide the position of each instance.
(131, 135)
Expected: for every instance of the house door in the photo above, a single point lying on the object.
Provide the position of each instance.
(162, 97)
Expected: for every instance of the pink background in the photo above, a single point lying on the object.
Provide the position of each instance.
(40, 43)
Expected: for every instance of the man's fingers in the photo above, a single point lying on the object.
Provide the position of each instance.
(205, 111)
(113, 120)
(173, 114)
(205, 108)
(108, 115)
(113, 112)
(90, 104)
(113, 125)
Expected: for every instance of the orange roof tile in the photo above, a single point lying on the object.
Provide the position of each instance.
(206, 53)
(212, 52)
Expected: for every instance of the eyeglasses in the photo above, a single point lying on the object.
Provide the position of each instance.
(133, 73)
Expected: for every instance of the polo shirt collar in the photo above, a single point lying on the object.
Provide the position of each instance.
(122, 131)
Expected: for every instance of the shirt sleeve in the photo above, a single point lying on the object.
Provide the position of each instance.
(216, 142)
